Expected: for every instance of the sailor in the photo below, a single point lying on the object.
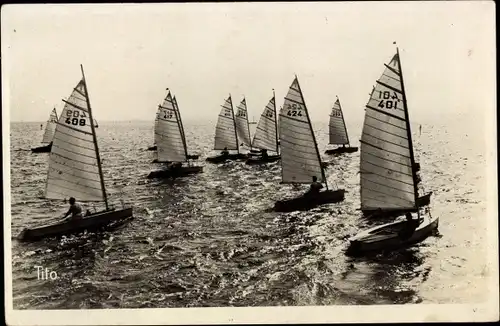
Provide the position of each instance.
(75, 210)
(225, 152)
(315, 186)
(264, 153)
(408, 228)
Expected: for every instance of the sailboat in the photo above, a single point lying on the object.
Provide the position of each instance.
(242, 126)
(48, 135)
(95, 124)
(75, 170)
(171, 142)
(226, 137)
(300, 158)
(388, 176)
(253, 122)
(266, 136)
(338, 131)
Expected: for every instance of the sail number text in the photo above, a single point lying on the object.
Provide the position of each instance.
(294, 110)
(73, 118)
(336, 113)
(168, 114)
(387, 101)
(269, 114)
(241, 114)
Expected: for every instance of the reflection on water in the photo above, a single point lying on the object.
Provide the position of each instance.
(209, 240)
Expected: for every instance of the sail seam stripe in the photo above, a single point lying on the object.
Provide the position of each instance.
(386, 113)
(386, 177)
(385, 159)
(384, 140)
(384, 185)
(67, 158)
(74, 129)
(77, 153)
(75, 106)
(389, 87)
(382, 149)
(380, 200)
(296, 150)
(73, 168)
(76, 184)
(294, 101)
(388, 195)
(391, 69)
(391, 124)
(74, 175)
(384, 168)
(71, 136)
(385, 131)
(78, 91)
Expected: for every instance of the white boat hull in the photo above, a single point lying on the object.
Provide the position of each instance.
(385, 237)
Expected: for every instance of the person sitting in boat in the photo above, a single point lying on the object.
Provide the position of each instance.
(315, 186)
(225, 152)
(263, 153)
(75, 210)
(409, 227)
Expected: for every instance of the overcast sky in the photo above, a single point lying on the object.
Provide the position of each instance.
(203, 52)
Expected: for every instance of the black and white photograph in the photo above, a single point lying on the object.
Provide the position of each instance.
(258, 162)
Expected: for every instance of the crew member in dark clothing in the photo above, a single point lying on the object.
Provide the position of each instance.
(409, 227)
(75, 210)
(264, 154)
(315, 186)
(225, 152)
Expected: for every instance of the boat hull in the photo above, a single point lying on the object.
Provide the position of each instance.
(385, 237)
(307, 202)
(190, 157)
(259, 160)
(341, 150)
(152, 148)
(42, 149)
(90, 223)
(422, 202)
(222, 158)
(175, 173)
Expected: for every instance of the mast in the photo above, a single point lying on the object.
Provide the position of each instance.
(248, 124)
(410, 142)
(343, 121)
(94, 138)
(312, 132)
(276, 123)
(179, 122)
(234, 123)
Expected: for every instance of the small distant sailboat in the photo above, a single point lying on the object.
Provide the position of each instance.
(253, 122)
(266, 136)
(95, 124)
(226, 137)
(338, 131)
(75, 170)
(171, 142)
(48, 135)
(300, 158)
(388, 178)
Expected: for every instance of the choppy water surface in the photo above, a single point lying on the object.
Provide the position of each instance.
(206, 240)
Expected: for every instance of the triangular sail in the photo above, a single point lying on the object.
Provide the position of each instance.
(50, 128)
(266, 134)
(155, 131)
(338, 130)
(170, 145)
(225, 131)
(183, 135)
(242, 126)
(74, 169)
(387, 180)
(300, 159)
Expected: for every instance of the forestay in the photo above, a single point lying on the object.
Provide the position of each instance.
(170, 144)
(266, 134)
(300, 159)
(225, 131)
(338, 131)
(50, 128)
(242, 125)
(73, 164)
(387, 180)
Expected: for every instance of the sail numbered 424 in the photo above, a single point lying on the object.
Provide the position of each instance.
(73, 165)
(242, 125)
(387, 180)
(338, 130)
(266, 134)
(225, 131)
(50, 128)
(300, 158)
(169, 137)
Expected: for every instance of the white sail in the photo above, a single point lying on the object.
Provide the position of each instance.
(183, 134)
(242, 126)
(170, 145)
(50, 128)
(300, 159)
(338, 130)
(386, 166)
(73, 164)
(266, 134)
(225, 131)
(155, 131)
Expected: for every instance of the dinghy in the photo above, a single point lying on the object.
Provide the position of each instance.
(171, 142)
(266, 136)
(75, 170)
(300, 158)
(50, 129)
(387, 173)
(338, 132)
(226, 136)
